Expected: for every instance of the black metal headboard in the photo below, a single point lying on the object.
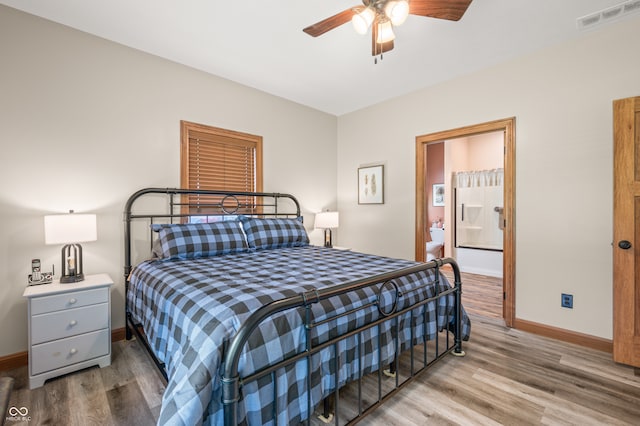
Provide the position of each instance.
(173, 205)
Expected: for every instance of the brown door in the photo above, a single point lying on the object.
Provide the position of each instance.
(626, 231)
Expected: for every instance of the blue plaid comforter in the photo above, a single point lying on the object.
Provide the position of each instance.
(190, 309)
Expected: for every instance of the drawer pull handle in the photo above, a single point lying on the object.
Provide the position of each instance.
(72, 301)
(73, 322)
(73, 351)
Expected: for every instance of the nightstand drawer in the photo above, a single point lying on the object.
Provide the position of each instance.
(74, 299)
(67, 323)
(60, 353)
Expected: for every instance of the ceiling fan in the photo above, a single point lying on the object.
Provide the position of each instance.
(383, 15)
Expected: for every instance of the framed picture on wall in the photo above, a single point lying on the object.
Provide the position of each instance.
(371, 185)
(438, 195)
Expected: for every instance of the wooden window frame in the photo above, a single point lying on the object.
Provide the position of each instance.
(190, 130)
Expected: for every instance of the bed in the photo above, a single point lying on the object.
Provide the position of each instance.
(252, 325)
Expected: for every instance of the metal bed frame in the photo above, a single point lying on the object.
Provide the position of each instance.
(270, 205)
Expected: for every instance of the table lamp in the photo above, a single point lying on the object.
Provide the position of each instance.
(326, 221)
(70, 230)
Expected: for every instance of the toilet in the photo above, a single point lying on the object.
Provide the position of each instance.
(434, 247)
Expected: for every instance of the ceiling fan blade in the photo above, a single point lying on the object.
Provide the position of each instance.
(378, 48)
(330, 23)
(451, 10)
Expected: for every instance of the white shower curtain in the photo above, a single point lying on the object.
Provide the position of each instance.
(479, 203)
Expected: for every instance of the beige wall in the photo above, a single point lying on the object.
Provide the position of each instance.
(562, 100)
(85, 122)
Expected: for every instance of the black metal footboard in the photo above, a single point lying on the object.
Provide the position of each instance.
(418, 356)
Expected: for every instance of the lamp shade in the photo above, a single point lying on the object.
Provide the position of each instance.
(397, 11)
(70, 228)
(385, 32)
(327, 220)
(362, 21)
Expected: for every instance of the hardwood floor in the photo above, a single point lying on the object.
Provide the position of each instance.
(128, 392)
(508, 377)
(481, 295)
(512, 377)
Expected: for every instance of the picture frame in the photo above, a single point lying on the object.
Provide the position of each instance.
(438, 195)
(371, 185)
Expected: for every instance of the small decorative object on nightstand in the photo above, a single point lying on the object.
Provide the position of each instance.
(69, 327)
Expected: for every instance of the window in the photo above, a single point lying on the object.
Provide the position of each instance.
(214, 158)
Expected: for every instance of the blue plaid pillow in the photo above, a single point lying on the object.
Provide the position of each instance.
(274, 233)
(188, 241)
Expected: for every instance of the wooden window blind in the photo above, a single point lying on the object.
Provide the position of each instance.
(220, 159)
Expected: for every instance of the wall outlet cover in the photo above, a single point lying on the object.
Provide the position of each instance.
(567, 300)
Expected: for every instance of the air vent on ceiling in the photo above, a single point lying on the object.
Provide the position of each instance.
(608, 15)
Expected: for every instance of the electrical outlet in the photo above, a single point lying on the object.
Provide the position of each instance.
(567, 300)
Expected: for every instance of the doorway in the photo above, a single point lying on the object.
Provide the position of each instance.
(507, 126)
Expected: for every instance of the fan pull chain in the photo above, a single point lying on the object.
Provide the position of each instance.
(375, 47)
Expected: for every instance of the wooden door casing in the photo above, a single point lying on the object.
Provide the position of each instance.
(508, 126)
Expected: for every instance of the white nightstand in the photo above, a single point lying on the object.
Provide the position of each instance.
(69, 327)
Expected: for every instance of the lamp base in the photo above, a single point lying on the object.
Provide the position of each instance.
(71, 264)
(67, 279)
(327, 238)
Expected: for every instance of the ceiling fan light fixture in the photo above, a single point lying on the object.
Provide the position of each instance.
(362, 20)
(397, 11)
(385, 32)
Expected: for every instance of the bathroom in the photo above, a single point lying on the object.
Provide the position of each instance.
(464, 185)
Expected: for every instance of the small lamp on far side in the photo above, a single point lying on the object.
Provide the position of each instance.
(327, 221)
(70, 230)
